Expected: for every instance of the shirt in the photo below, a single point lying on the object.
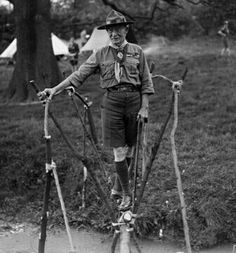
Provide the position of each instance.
(119, 54)
(135, 69)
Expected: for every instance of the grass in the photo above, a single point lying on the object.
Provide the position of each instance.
(205, 141)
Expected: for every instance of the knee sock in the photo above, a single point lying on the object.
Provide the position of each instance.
(128, 159)
(122, 172)
(117, 185)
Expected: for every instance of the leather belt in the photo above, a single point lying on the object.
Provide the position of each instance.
(123, 88)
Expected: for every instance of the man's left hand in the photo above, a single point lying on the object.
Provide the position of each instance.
(143, 114)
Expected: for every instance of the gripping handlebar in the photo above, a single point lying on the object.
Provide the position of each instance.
(41, 95)
(35, 86)
(71, 91)
(176, 85)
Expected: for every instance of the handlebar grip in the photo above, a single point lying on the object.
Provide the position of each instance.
(152, 66)
(184, 74)
(71, 89)
(35, 86)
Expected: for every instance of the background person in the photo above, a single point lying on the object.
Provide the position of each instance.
(73, 49)
(125, 76)
(83, 38)
(224, 33)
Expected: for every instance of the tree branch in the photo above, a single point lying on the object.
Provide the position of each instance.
(173, 3)
(195, 2)
(155, 7)
(114, 7)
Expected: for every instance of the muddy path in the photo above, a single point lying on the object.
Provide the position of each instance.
(23, 238)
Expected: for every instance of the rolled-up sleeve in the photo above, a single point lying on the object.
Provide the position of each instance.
(84, 71)
(145, 76)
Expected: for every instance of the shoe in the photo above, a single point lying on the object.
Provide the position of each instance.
(116, 195)
(125, 203)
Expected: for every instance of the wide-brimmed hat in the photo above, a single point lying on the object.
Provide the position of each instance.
(114, 18)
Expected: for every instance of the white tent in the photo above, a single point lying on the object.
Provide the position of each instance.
(9, 51)
(98, 39)
(59, 48)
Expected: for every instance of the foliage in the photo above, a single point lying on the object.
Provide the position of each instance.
(226, 8)
(69, 18)
(165, 19)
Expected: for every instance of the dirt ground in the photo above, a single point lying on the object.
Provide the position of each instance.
(23, 238)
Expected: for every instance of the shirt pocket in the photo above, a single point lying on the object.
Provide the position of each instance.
(132, 67)
(107, 70)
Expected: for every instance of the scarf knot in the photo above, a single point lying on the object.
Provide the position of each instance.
(119, 55)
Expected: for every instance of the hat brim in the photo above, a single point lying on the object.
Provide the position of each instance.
(104, 27)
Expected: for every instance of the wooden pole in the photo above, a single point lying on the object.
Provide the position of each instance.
(144, 149)
(84, 168)
(136, 158)
(63, 207)
(44, 218)
(124, 239)
(178, 175)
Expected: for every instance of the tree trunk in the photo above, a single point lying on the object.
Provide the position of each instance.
(35, 59)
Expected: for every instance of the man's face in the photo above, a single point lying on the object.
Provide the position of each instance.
(117, 34)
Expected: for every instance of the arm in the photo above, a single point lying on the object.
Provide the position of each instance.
(147, 87)
(221, 33)
(60, 87)
(143, 112)
(76, 79)
(145, 76)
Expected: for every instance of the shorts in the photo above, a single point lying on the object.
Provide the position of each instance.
(119, 118)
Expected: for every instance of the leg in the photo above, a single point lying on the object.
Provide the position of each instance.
(129, 155)
(228, 51)
(116, 191)
(222, 51)
(123, 175)
(113, 130)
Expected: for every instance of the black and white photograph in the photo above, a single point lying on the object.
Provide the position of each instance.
(117, 126)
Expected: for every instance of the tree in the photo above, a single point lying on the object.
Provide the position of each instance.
(224, 8)
(34, 58)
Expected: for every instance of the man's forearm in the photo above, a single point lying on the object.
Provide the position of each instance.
(145, 101)
(62, 85)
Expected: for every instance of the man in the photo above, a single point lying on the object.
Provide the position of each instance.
(83, 38)
(125, 75)
(224, 33)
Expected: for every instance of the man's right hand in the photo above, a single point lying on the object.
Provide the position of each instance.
(47, 93)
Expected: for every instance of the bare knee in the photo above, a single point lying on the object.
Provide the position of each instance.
(120, 153)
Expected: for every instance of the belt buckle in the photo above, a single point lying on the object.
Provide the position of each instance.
(123, 88)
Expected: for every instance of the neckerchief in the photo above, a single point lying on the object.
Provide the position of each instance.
(119, 54)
